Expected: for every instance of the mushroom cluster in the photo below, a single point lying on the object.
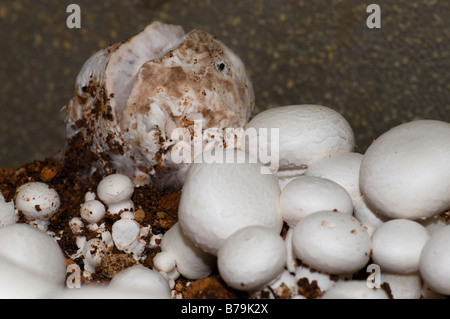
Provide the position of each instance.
(268, 213)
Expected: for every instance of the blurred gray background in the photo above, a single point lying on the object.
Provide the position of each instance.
(296, 52)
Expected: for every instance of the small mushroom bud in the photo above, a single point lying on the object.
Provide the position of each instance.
(92, 211)
(94, 251)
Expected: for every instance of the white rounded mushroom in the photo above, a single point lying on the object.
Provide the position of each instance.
(33, 250)
(306, 134)
(38, 202)
(332, 242)
(140, 278)
(126, 234)
(191, 261)
(115, 191)
(405, 173)
(305, 195)
(219, 198)
(251, 258)
(434, 261)
(397, 245)
(92, 211)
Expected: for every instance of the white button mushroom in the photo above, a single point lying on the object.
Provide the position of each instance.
(220, 198)
(191, 261)
(354, 289)
(252, 257)
(405, 173)
(140, 278)
(8, 214)
(115, 191)
(126, 234)
(397, 245)
(317, 131)
(92, 211)
(305, 195)
(38, 202)
(33, 250)
(434, 261)
(76, 225)
(332, 242)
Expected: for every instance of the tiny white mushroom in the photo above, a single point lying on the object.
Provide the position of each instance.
(397, 245)
(405, 173)
(218, 198)
(354, 289)
(165, 263)
(115, 191)
(76, 225)
(93, 253)
(92, 211)
(305, 195)
(434, 261)
(38, 202)
(191, 261)
(33, 250)
(251, 258)
(140, 278)
(316, 130)
(125, 234)
(332, 242)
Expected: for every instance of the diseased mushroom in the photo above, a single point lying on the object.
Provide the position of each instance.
(131, 98)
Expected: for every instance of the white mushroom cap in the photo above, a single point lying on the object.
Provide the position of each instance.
(92, 211)
(317, 131)
(251, 258)
(93, 252)
(397, 245)
(115, 188)
(434, 261)
(305, 195)
(33, 250)
(125, 232)
(38, 202)
(332, 242)
(140, 278)
(220, 198)
(354, 289)
(191, 261)
(403, 286)
(405, 173)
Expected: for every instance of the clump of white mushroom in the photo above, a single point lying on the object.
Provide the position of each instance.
(313, 210)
